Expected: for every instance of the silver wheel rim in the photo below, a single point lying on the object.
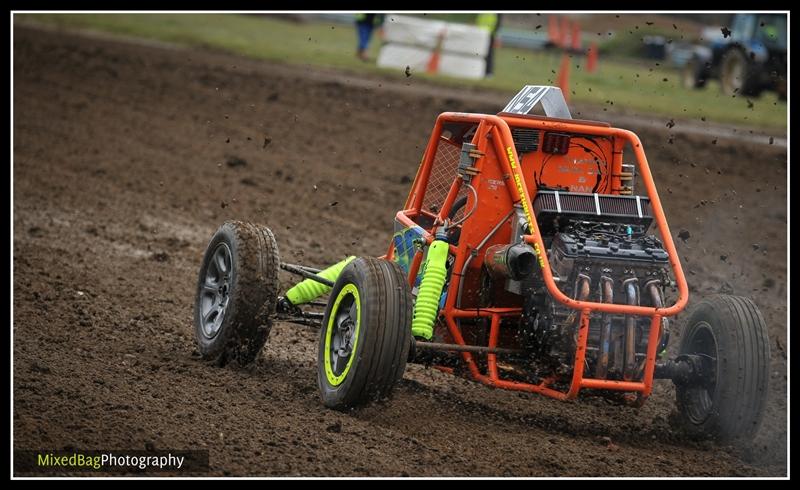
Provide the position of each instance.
(215, 291)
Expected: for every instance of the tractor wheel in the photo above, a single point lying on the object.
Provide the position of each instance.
(365, 334)
(237, 291)
(737, 75)
(693, 74)
(729, 334)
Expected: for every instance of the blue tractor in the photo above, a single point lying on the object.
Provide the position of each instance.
(747, 60)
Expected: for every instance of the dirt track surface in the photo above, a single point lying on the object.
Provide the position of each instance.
(121, 177)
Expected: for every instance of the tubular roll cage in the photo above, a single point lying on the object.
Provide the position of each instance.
(498, 128)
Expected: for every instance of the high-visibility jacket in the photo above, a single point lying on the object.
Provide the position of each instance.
(487, 21)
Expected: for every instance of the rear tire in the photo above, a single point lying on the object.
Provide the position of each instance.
(237, 291)
(730, 405)
(738, 76)
(365, 335)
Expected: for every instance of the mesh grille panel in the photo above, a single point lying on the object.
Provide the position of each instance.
(618, 206)
(577, 202)
(544, 201)
(443, 172)
(585, 203)
(556, 209)
(525, 139)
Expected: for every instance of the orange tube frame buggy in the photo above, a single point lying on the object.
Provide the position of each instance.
(493, 133)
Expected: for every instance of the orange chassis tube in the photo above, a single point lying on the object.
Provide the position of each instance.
(503, 143)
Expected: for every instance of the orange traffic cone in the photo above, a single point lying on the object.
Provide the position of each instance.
(433, 62)
(576, 37)
(563, 32)
(563, 76)
(591, 58)
(552, 30)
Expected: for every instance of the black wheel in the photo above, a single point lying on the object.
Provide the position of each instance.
(738, 76)
(237, 291)
(365, 334)
(693, 74)
(780, 88)
(729, 335)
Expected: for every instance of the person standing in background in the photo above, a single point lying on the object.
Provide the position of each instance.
(365, 25)
(491, 24)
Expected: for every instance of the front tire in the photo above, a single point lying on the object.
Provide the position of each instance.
(237, 291)
(693, 74)
(365, 335)
(729, 332)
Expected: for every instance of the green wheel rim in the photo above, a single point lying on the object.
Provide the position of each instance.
(341, 335)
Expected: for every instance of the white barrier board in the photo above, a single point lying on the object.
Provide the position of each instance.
(466, 39)
(411, 41)
(401, 55)
(417, 59)
(402, 29)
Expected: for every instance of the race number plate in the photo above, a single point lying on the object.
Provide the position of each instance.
(551, 98)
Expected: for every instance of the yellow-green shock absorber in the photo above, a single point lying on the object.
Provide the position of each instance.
(426, 307)
(309, 289)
